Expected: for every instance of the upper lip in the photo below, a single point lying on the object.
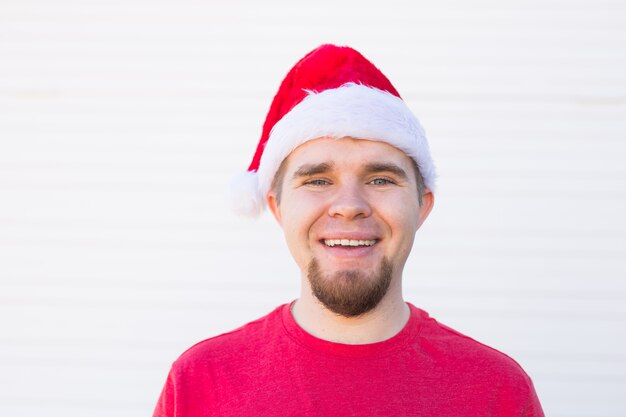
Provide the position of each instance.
(350, 236)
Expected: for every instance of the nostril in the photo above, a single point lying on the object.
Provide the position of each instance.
(350, 209)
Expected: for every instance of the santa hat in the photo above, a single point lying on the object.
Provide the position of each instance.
(332, 92)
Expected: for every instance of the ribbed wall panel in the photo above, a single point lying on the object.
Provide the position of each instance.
(122, 123)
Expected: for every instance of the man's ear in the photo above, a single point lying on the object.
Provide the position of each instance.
(428, 200)
(273, 204)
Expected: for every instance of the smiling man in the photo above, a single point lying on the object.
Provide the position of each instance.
(345, 168)
(349, 209)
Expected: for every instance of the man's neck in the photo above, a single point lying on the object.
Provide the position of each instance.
(381, 323)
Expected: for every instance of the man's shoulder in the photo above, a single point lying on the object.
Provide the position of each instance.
(477, 371)
(450, 347)
(235, 342)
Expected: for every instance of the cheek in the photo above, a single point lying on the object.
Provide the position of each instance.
(301, 205)
(297, 228)
(402, 220)
(300, 214)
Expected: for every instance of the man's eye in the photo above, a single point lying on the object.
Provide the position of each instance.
(317, 182)
(381, 181)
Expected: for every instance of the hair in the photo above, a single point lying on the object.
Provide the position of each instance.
(277, 182)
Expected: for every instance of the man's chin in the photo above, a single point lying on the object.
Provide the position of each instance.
(350, 292)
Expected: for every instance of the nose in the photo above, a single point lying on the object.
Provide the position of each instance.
(350, 202)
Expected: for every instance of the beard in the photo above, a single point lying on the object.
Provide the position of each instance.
(350, 293)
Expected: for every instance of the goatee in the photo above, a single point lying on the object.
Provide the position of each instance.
(350, 293)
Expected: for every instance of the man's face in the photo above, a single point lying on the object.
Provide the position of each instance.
(349, 210)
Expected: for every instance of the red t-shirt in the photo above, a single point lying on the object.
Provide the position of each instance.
(271, 367)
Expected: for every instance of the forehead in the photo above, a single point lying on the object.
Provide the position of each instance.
(345, 153)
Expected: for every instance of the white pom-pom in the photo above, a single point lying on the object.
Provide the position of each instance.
(246, 199)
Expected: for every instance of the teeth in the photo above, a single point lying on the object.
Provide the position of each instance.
(348, 242)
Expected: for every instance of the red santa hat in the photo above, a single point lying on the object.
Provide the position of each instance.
(332, 92)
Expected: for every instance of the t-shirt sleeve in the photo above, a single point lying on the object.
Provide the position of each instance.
(533, 406)
(166, 406)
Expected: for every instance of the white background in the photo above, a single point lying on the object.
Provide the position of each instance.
(122, 123)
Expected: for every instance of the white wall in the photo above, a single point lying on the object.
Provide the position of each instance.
(122, 122)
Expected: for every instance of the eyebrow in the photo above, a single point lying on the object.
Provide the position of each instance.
(307, 170)
(386, 167)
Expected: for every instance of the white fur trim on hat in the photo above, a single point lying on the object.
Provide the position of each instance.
(246, 200)
(352, 110)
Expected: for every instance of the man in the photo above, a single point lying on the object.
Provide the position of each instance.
(344, 167)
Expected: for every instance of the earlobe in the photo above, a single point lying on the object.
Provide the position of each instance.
(273, 205)
(428, 200)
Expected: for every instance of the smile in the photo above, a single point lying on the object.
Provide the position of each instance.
(348, 242)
